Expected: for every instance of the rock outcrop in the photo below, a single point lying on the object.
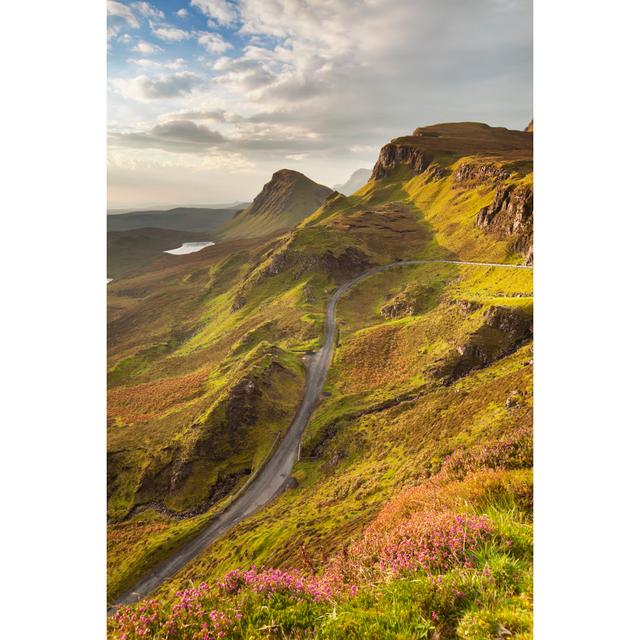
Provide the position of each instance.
(510, 216)
(477, 173)
(338, 266)
(503, 331)
(392, 155)
(410, 301)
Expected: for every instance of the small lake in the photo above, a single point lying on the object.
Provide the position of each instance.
(189, 247)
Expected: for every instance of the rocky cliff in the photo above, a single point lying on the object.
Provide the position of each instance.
(510, 216)
(451, 141)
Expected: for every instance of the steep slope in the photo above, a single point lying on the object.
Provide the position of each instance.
(431, 359)
(283, 202)
(178, 219)
(358, 179)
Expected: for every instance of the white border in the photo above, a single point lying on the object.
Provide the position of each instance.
(53, 448)
(53, 319)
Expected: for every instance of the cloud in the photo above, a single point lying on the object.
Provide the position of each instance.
(147, 48)
(175, 135)
(145, 88)
(174, 65)
(223, 12)
(213, 42)
(328, 83)
(167, 32)
(119, 16)
(243, 74)
(148, 10)
(218, 115)
(182, 13)
(143, 62)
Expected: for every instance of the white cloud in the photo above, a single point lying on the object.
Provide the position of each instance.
(143, 62)
(213, 42)
(167, 32)
(182, 13)
(146, 47)
(148, 10)
(223, 12)
(119, 16)
(174, 65)
(145, 88)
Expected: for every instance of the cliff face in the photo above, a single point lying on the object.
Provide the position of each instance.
(454, 140)
(510, 215)
(392, 155)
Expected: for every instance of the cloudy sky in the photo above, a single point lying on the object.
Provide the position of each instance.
(207, 98)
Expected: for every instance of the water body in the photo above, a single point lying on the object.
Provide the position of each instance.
(189, 247)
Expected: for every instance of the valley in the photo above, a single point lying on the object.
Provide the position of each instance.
(278, 396)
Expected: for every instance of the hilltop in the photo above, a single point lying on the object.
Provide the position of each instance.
(283, 202)
(425, 417)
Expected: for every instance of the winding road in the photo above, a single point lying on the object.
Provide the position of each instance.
(274, 475)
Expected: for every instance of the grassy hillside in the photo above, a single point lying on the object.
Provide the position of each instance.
(429, 395)
(283, 202)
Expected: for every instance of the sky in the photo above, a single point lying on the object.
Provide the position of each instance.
(208, 98)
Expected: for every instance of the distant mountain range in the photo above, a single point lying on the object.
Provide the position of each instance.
(178, 219)
(358, 179)
(116, 211)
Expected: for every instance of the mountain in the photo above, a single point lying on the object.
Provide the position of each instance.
(283, 202)
(358, 179)
(408, 509)
(178, 219)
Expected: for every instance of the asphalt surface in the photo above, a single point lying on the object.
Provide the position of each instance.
(273, 476)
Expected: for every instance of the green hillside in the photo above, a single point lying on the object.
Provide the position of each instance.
(424, 427)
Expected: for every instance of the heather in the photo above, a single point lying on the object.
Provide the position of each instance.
(448, 558)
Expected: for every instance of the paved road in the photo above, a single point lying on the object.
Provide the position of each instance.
(272, 478)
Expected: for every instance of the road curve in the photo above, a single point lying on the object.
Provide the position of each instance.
(273, 476)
